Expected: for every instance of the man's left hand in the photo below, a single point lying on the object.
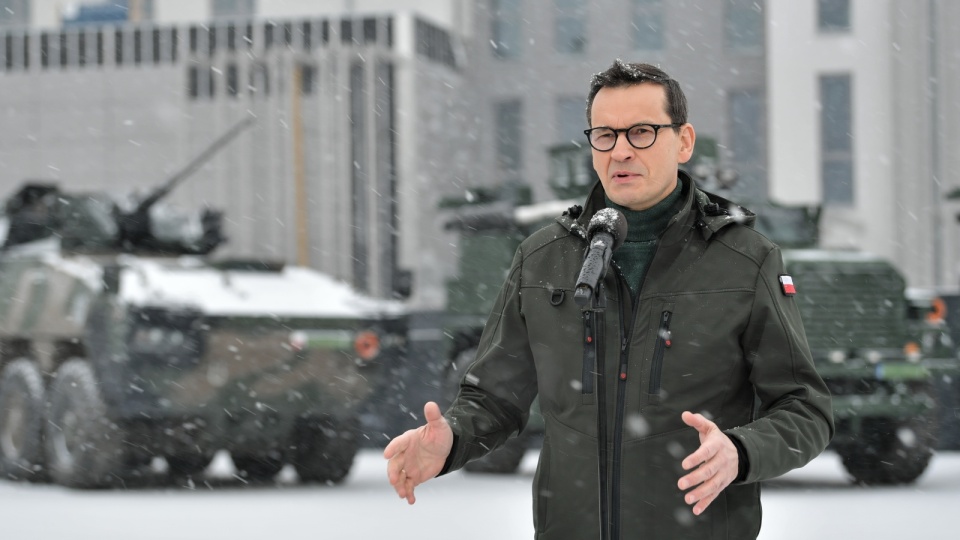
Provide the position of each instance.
(714, 464)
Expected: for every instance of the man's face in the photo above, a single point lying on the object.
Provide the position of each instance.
(639, 179)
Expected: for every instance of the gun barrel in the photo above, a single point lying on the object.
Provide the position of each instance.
(193, 165)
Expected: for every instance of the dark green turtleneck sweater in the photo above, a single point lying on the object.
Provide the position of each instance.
(643, 230)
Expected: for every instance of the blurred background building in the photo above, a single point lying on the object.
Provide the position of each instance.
(370, 112)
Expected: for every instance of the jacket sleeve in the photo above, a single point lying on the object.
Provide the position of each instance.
(795, 420)
(496, 391)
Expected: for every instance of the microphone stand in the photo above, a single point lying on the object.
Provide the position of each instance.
(593, 304)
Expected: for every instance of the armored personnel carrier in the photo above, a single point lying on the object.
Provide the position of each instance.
(882, 365)
(122, 342)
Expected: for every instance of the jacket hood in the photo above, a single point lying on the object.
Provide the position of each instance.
(712, 212)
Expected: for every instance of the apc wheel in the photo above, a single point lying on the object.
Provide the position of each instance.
(84, 447)
(889, 452)
(325, 449)
(21, 421)
(503, 460)
(257, 468)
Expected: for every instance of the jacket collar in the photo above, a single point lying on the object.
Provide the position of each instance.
(701, 210)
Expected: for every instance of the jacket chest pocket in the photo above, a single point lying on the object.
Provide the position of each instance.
(661, 319)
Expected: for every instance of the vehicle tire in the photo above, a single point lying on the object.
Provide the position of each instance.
(84, 447)
(257, 468)
(187, 464)
(325, 449)
(889, 452)
(21, 421)
(503, 460)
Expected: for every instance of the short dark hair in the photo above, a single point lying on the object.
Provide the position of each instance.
(621, 74)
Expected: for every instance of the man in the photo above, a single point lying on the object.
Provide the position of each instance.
(704, 384)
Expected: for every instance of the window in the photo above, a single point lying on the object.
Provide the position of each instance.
(211, 41)
(360, 174)
(200, 82)
(118, 47)
(833, 15)
(571, 119)
(648, 27)
(157, 47)
(64, 50)
(570, 31)
(743, 24)
(233, 80)
(100, 48)
(369, 30)
(8, 51)
(44, 50)
(308, 78)
(505, 28)
(748, 142)
(509, 135)
(137, 46)
(434, 43)
(259, 79)
(306, 35)
(231, 8)
(836, 139)
(82, 48)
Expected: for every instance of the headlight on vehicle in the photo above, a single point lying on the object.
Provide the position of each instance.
(837, 356)
(367, 345)
(912, 351)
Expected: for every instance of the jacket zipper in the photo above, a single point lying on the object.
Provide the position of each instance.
(663, 339)
(621, 398)
(589, 353)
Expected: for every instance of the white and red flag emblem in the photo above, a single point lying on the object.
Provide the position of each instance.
(787, 286)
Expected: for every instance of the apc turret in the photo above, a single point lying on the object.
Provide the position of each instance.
(97, 223)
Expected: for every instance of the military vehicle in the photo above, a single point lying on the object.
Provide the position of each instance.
(122, 341)
(854, 308)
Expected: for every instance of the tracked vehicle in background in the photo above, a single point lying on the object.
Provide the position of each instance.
(121, 341)
(881, 355)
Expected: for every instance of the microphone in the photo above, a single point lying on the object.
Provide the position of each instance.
(606, 232)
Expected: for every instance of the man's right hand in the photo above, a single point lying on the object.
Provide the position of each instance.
(419, 454)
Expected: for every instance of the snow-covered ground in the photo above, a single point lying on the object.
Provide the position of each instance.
(814, 502)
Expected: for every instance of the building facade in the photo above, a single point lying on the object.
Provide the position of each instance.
(880, 80)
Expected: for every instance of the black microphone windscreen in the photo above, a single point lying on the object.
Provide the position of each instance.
(610, 221)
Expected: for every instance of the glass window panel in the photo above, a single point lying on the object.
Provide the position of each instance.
(508, 116)
(505, 28)
(833, 15)
(836, 139)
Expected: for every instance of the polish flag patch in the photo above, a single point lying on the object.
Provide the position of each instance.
(787, 286)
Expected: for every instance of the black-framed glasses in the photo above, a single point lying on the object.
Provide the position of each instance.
(639, 136)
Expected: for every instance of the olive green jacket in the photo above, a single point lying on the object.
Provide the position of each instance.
(711, 332)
